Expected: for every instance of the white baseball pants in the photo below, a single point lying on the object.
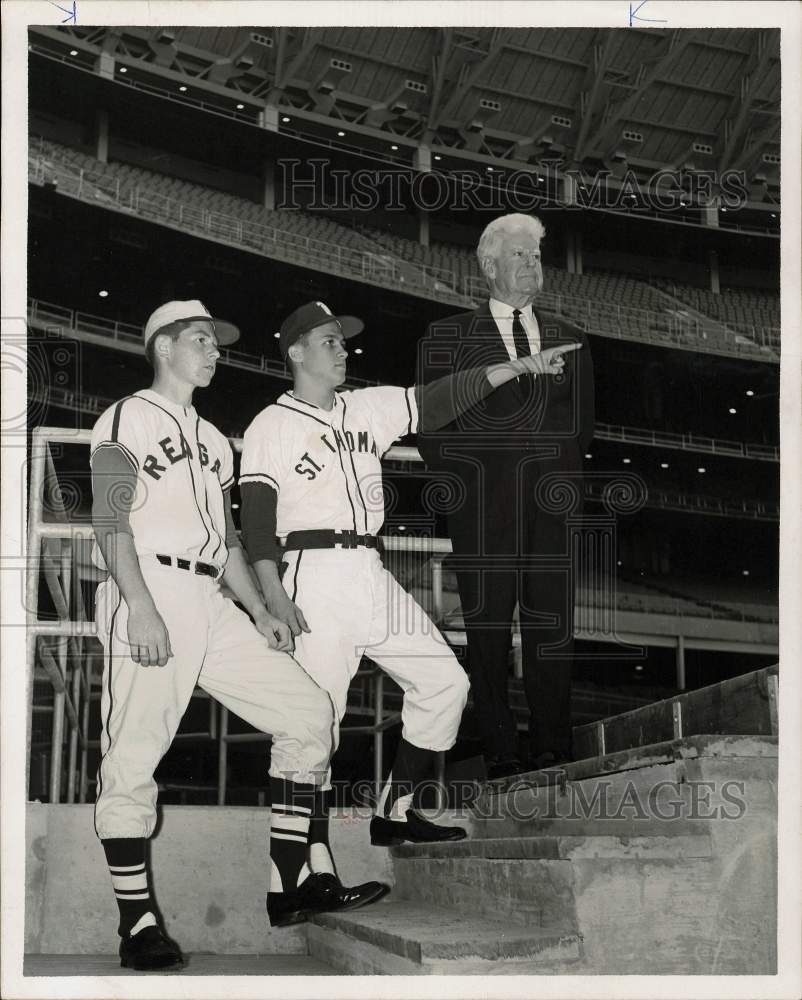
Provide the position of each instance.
(355, 607)
(216, 646)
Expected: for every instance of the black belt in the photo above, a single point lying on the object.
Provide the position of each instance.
(329, 539)
(200, 568)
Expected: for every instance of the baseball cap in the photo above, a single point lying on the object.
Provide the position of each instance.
(189, 309)
(309, 316)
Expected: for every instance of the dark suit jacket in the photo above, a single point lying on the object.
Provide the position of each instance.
(525, 427)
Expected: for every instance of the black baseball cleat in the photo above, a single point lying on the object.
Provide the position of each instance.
(316, 894)
(417, 830)
(357, 895)
(150, 950)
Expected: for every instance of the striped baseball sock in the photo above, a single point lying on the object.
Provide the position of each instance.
(320, 856)
(126, 860)
(292, 805)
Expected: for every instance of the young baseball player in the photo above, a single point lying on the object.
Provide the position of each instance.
(161, 477)
(311, 474)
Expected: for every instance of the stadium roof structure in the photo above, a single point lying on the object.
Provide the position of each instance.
(630, 99)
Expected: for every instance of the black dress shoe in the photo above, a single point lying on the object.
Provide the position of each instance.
(503, 767)
(389, 832)
(150, 949)
(317, 894)
(355, 896)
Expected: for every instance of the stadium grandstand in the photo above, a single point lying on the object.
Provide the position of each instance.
(219, 163)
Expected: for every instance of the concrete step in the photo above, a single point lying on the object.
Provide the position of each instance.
(399, 937)
(556, 848)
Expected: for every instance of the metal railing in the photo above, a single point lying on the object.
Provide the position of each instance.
(608, 319)
(56, 318)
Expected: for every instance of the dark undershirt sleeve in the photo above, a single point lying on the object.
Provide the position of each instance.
(443, 400)
(113, 488)
(259, 502)
(232, 538)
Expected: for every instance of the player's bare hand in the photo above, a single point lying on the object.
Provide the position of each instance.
(549, 362)
(148, 637)
(277, 632)
(288, 611)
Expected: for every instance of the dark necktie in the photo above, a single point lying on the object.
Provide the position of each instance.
(519, 335)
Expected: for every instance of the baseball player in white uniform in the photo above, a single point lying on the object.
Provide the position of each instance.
(161, 477)
(311, 475)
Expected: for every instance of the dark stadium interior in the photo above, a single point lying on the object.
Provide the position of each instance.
(724, 558)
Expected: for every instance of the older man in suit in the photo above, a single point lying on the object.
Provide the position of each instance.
(513, 467)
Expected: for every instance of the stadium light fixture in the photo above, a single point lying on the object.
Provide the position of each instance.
(73, 52)
(588, 455)
(276, 335)
(664, 465)
(744, 572)
(285, 119)
(723, 208)
(639, 668)
(701, 469)
(619, 563)
(393, 146)
(103, 294)
(123, 69)
(240, 107)
(183, 89)
(235, 506)
(358, 350)
(490, 170)
(733, 410)
(750, 392)
(626, 461)
(341, 135)
(402, 527)
(438, 157)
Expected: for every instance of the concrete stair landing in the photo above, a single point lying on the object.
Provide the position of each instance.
(404, 937)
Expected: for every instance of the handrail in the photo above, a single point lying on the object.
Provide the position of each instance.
(606, 319)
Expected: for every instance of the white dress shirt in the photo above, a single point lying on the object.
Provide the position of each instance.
(502, 314)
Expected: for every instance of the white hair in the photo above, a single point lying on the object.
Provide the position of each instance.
(495, 231)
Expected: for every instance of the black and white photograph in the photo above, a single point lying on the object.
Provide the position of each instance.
(401, 499)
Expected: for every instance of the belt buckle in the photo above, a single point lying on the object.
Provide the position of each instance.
(348, 539)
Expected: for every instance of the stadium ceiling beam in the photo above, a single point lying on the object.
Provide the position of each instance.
(309, 42)
(742, 103)
(697, 88)
(438, 75)
(671, 127)
(593, 87)
(755, 145)
(468, 76)
(545, 102)
(549, 56)
(675, 44)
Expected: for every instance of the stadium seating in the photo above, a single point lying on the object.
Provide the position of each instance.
(572, 295)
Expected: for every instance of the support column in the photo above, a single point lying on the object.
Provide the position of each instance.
(268, 118)
(710, 210)
(422, 162)
(712, 260)
(105, 65)
(269, 185)
(569, 252)
(578, 252)
(681, 662)
(102, 136)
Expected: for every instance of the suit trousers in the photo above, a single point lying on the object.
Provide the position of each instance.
(538, 574)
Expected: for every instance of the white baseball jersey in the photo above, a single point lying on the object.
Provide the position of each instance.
(325, 465)
(183, 465)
